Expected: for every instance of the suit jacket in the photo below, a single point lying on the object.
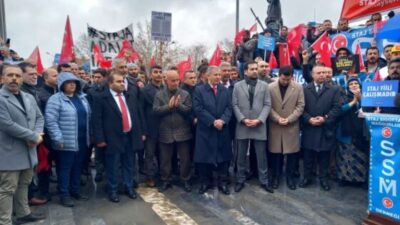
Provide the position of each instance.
(174, 125)
(17, 127)
(107, 122)
(212, 145)
(242, 109)
(285, 139)
(152, 120)
(327, 104)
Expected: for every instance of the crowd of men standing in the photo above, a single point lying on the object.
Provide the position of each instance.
(204, 125)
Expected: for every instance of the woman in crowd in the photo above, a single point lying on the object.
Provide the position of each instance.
(352, 154)
(67, 120)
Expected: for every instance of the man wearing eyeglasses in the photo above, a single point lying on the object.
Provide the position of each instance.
(30, 80)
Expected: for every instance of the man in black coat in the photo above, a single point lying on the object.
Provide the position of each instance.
(322, 107)
(212, 105)
(117, 127)
(152, 122)
(48, 88)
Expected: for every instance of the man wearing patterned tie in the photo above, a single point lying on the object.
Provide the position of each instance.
(117, 127)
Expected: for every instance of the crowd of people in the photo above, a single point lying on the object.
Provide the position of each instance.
(218, 122)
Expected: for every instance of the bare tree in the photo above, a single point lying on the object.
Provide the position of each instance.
(227, 45)
(198, 52)
(82, 47)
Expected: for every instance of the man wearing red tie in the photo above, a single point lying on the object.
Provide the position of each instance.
(117, 127)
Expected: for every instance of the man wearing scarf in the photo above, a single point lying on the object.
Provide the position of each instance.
(251, 104)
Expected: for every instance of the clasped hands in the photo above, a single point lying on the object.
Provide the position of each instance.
(174, 101)
(317, 121)
(32, 144)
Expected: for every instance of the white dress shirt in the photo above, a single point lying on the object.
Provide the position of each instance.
(116, 98)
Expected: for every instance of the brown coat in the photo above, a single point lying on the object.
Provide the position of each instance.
(285, 139)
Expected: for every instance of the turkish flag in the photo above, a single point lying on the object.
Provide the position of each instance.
(361, 59)
(272, 61)
(184, 66)
(153, 61)
(67, 49)
(106, 64)
(284, 55)
(239, 37)
(216, 57)
(128, 52)
(37, 60)
(377, 76)
(295, 36)
(253, 29)
(98, 56)
(323, 46)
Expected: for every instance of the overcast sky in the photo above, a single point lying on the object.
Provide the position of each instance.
(41, 23)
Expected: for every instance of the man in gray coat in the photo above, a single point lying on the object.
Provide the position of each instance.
(173, 105)
(21, 130)
(251, 104)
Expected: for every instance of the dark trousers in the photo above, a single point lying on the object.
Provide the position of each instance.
(277, 161)
(100, 159)
(206, 169)
(69, 168)
(166, 153)
(322, 160)
(150, 156)
(127, 161)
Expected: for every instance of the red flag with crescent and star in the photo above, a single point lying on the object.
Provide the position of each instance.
(35, 58)
(184, 66)
(323, 46)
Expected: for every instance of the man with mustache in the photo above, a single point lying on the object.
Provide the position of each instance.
(21, 131)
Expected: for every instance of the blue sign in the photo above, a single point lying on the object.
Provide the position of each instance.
(56, 58)
(266, 43)
(379, 93)
(384, 173)
(362, 36)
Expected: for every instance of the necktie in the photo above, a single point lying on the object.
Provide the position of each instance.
(318, 88)
(215, 90)
(124, 113)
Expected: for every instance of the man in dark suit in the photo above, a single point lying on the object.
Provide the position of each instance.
(117, 127)
(213, 108)
(152, 122)
(322, 107)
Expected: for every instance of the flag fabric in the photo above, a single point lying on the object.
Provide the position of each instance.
(98, 56)
(294, 38)
(216, 57)
(153, 61)
(128, 52)
(240, 35)
(360, 57)
(284, 55)
(377, 76)
(37, 60)
(67, 49)
(106, 64)
(253, 29)
(272, 61)
(323, 46)
(184, 66)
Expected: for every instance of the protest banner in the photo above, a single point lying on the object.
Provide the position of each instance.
(351, 64)
(353, 9)
(384, 175)
(161, 26)
(110, 43)
(379, 93)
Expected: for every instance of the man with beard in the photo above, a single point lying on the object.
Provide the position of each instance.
(30, 79)
(373, 61)
(251, 104)
(133, 70)
(226, 75)
(264, 71)
(394, 74)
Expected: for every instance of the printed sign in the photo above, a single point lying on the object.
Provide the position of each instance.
(379, 93)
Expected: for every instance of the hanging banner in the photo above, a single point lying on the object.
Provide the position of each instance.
(353, 9)
(384, 173)
(110, 43)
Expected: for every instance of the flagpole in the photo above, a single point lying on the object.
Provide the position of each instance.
(237, 16)
(3, 30)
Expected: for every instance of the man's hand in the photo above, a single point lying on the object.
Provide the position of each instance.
(143, 137)
(377, 110)
(283, 121)
(219, 124)
(177, 101)
(101, 144)
(194, 121)
(171, 103)
(306, 57)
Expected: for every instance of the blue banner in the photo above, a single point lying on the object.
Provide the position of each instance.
(384, 175)
(266, 43)
(379, 93)
(363, 36)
